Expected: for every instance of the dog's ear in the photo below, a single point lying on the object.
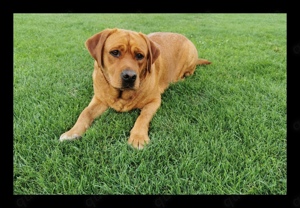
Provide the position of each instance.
(95, 44)
(153, 51)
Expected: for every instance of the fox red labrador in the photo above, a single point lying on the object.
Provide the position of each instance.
(132, 70)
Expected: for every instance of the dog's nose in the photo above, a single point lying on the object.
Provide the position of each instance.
(128, 75)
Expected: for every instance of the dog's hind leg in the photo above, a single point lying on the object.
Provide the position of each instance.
(191, 70)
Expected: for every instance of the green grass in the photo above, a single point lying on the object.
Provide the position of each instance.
(221, 131)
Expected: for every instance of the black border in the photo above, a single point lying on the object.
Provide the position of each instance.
(292, 199)
(153, 6)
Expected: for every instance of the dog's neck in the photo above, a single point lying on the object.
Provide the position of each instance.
(126, 94)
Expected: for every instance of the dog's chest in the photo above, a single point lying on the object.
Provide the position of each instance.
(124, 102)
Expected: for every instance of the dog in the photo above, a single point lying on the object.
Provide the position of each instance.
(131, 71)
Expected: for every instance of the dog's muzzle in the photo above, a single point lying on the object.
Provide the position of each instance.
(128, 78)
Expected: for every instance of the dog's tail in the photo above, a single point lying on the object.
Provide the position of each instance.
(202, 62)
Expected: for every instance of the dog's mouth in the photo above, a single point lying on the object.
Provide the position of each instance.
(127, 86)
(124, 86)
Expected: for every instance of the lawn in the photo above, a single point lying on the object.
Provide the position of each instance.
(221, 131)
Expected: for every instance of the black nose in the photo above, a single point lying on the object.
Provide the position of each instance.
(128, 75)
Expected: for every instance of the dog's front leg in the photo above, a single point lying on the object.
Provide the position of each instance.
(139, 133)
(92, 111)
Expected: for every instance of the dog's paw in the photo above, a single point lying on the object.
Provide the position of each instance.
(69, 136)
(138, 141)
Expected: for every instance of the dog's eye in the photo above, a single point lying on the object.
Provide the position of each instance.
(139, 56)
(115, 53)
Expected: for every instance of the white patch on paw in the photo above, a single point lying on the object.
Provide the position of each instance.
(64, 137)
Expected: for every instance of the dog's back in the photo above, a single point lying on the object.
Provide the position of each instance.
(172, 47)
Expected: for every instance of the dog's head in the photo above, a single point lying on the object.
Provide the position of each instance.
(125, 57)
